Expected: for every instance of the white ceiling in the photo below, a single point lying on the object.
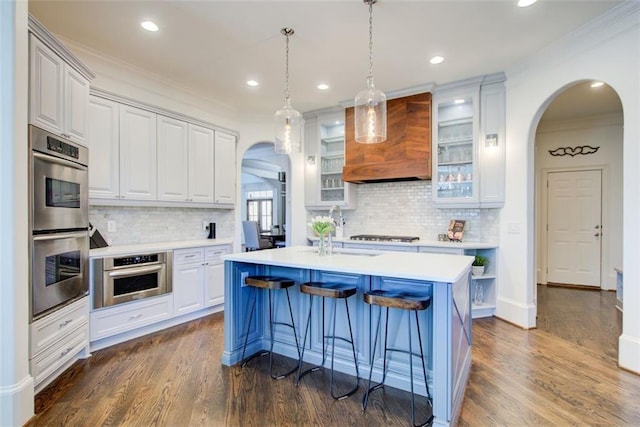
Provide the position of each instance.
(214, 47)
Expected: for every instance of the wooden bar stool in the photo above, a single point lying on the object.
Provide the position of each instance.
(335, 291)
(405, 301)
(270, 283)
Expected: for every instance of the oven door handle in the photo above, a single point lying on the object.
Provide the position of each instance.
(135, 271)
(58, 236)
(59, 161)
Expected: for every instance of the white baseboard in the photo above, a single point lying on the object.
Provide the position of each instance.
(16, 402)
(629, 353)
(516, 313)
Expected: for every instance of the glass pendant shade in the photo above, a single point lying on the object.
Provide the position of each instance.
(370, 115)
(288, 129)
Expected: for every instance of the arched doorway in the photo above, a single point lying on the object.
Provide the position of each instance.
(263, 188)
(578, 214)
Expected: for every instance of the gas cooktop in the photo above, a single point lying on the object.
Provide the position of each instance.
(383, 238)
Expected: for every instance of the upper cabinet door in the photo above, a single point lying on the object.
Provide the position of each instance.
(455, 160)
(201, 164)
(325, 153)
(76, 102)
(46, 88)
(137, 154)
(59, 95)
(173, 161)
(225, 169)
(103, 140)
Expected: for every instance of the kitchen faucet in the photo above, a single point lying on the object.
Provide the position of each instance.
(340, 222)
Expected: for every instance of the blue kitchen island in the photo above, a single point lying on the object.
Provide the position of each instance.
(445, 326)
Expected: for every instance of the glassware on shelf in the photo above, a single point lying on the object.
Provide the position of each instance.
(478, 295)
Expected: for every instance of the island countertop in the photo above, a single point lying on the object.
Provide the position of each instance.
(417, 266)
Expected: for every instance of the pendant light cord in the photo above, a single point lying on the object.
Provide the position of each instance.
(370, 39)
(286, 74)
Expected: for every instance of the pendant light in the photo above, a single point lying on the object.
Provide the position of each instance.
(288, 121)
(371, 103)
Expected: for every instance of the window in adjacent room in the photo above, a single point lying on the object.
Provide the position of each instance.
(260, 208)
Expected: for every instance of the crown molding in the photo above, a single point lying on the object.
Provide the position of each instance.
(158, 110)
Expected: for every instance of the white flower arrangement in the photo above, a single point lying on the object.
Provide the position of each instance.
(322, 225)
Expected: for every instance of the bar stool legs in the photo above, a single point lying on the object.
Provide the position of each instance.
(365, 398)
(266, 284)
(312, 289)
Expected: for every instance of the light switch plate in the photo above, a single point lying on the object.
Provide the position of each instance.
(111, 226)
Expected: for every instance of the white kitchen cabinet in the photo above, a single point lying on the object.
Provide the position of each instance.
(103, 140)
(185, 161)
(492, 145)
(57, 340)
(214, 275)
(225, 169)
(59, 95)
(138, 146)
(198, 278)
(324, 160)
(202, 164)
(455, 160)
(469, 143)
(188, 280)
(173, 159)
(109, 321)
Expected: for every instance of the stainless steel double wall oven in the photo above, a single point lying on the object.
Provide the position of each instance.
(59, 219)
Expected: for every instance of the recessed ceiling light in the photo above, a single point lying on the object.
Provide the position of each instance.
(525, 3)
(459, 101)
(149, 26)
(323, 86)
(597, 84)
(436, 60)
(252, 83)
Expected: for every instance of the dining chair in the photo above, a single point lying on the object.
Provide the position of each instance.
(252, 239)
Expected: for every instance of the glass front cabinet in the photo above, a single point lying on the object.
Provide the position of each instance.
(468, 145)
(324, 160)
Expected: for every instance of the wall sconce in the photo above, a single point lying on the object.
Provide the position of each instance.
(491, 140)
(311, 160)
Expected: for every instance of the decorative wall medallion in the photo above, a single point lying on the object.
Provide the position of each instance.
(573, 151)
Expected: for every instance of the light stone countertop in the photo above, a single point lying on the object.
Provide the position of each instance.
(416, 266)
(417, 243)
(155, 247)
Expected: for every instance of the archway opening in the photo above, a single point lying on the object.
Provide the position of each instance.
(578, 215)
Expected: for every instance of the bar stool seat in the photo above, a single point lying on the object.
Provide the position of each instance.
(270, 283)
(404, 300)
(335, 291)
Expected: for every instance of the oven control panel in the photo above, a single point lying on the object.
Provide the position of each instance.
(135, 259)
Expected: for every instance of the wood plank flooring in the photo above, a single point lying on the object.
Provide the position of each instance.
(174, 378)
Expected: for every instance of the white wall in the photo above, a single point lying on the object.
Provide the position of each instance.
(609, 53)
(604, 132)
(16, 385)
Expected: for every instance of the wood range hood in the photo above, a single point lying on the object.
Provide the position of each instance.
(404, 156)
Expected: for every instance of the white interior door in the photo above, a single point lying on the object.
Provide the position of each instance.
(574, 201)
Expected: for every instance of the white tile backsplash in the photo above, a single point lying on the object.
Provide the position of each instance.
(150, 225)
(407, 209)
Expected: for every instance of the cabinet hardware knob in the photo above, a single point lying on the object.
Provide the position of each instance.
(65, 352)
(597, 235)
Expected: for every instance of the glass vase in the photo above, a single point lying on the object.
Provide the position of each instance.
(478, 295)
(322, 245)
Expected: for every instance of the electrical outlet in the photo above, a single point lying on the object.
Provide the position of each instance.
(205, 226)
(111, 226)
(243, 275)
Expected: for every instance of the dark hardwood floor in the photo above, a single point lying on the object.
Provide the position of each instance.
(555, 375)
